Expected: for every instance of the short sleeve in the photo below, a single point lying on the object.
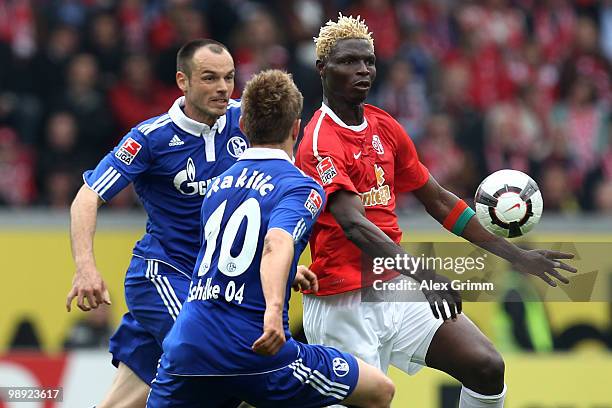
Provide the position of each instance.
(410, 173)
(298, 210)
(324, 160)
(130, 158)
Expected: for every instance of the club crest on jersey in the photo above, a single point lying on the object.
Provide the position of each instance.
(236, 146)
(340, 366)
(377, 145)
(128, 150)
(313, 202)
(327, 171)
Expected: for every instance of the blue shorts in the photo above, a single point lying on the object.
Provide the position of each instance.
(154, 293)
(319, 377)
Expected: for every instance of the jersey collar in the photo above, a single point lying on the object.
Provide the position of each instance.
(357, 128)
(189, 125)
(264, 153)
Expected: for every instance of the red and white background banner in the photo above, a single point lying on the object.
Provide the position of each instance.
(85, 376)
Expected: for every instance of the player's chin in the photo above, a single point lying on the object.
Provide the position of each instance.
(358, 95)
(217, 110)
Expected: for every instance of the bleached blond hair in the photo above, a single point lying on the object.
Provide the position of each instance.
(334, 31)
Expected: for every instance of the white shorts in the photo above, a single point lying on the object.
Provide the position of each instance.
(380, 333)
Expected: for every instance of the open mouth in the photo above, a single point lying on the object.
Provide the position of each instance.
(362, 84)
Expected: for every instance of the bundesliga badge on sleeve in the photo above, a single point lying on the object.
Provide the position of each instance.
(327, 171)
(128, 150)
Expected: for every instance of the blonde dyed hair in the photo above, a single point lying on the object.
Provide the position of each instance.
(334, 31)
(271, 102)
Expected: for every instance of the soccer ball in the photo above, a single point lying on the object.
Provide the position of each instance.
(508, 203)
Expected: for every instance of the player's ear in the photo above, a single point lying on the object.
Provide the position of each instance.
(182, 81)
(296, 129)
(320, 66)
(241, 125)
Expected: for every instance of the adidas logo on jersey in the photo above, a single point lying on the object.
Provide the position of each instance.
(176, 141)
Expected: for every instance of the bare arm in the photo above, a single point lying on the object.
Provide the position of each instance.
(87, 282)
(347, 209)
(275, 263)
(83, 217)
(439, 202)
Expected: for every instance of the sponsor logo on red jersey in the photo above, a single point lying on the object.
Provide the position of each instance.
(327, 171)
(377, 196)
(128, 150)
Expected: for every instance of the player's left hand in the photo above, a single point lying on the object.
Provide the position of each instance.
(437, 298)
(305, 279)
(543, 262)
(273, 337)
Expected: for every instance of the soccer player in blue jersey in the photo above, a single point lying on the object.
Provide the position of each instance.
(171, 160)
(232, 339)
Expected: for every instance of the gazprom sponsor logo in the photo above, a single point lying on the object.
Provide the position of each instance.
(185, 181)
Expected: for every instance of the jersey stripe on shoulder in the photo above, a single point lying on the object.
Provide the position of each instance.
(143, 128)
(156, 126)
(315, 137)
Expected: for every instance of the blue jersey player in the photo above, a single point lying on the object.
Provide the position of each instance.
(171, 160)
(231, 339)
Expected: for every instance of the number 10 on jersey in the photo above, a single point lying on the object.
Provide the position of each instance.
(231, 266)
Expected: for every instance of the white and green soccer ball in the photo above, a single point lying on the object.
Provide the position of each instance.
(508, 203)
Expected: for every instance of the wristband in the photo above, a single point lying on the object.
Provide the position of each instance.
(458, 218)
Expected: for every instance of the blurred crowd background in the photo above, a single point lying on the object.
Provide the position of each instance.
(479, 85)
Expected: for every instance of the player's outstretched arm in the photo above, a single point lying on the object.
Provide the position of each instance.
(275, 263)
(347, 209)
(439, 203)
(87, 282)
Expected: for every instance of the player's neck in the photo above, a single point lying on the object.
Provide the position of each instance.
(285, 147)
(349, 112)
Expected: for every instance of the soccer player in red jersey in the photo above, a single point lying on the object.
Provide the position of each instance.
(363, 157)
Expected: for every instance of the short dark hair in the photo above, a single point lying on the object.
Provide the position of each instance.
(185, 54)
(270, 105)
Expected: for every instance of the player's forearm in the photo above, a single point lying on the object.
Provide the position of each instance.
(478, 235)
(83, 215)
(369, 238)
(372, 241)
(440, 202)
(275, 265)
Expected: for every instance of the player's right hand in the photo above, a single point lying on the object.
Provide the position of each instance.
(446, 294)
(305, 279)
(88, 285)
(273, 337)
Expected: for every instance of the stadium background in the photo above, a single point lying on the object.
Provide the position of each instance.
(479, 85)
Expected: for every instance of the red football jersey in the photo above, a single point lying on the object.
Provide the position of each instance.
(374, 160)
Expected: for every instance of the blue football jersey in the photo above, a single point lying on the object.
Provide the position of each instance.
(223, 313)
(171, 159)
